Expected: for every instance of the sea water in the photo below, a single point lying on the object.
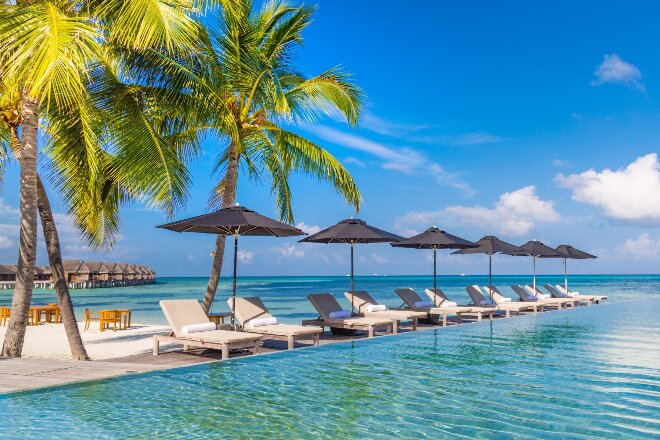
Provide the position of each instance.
(286, 297)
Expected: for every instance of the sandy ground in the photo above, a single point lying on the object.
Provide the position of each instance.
(49, 341)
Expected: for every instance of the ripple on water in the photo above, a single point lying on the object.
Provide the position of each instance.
(586, 373)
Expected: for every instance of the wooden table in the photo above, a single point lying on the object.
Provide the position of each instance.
(49, 311)
(125, 316)
(218, 318)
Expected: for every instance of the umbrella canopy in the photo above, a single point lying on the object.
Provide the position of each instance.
(489, 245)
(567, 251)
(352, 231)
(536, 249)
(434, 238)
(236, 220)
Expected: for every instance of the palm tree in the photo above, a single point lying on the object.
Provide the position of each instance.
(250, 70)
(109, 136)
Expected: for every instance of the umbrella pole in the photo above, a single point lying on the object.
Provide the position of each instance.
(233, 293)
(352, 279)
(490, 276)
(434, 277)
(565, 277)
(534, 260)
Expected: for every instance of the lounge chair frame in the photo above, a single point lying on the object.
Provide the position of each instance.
(323, 301)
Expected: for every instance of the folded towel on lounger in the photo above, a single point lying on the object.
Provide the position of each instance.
(448, 304)
(260, 322)
(423, 304)
(196, 328)
(339, 314)
(376, 308)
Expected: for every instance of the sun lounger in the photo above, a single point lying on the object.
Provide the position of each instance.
(362, 300)
(568, 301)
(595, 298)
(514, 306)
(478, 299)
(439, 297)
(526, 296)
(182, 313)
(410, 300)
(249, 311)
(325, 304)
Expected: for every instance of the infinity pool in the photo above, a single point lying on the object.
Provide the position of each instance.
(593, 372)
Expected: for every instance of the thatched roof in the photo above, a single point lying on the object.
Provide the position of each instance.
(75, 266)
(7, 269)
(97, 267)
(43, 270)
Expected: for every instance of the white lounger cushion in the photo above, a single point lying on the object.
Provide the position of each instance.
(448, 304)
(423, 304)
(197, 328)
(376, 308)
(340, 314)
(260, 322)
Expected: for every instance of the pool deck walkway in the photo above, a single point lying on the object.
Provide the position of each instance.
(23, 374)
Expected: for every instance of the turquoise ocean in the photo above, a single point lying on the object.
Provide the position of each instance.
(286, 296)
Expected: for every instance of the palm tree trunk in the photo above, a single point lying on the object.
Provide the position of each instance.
(228, 200)
(52, 239)
(27, 248)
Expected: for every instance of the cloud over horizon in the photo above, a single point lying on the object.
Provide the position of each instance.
(630, 194)
(515, 214)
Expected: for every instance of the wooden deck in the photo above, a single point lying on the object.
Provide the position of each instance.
(22, 374)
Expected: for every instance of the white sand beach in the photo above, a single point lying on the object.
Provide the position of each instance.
(49, 341)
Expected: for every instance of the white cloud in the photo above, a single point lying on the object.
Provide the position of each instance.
(5, 242)
(190, 257)
(246, 257)
(643, 247)
(379, 259)
(354, 161)
(515, 214)
(7, 211)
(290, 251)
(402, 159)
(630, 194)
(390, 128)
(614, 70)
(308, 229)
(476, 138)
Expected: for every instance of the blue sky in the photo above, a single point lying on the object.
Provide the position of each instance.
(518, 119)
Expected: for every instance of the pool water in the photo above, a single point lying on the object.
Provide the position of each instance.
(592, 372)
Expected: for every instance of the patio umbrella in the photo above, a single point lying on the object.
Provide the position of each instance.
(235, 221)
(352, 231)
(535, 249)
(489, 245)
(567, 251)
(434, 238)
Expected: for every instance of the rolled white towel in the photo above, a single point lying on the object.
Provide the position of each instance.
(448, 304)
(196, 328)
(543, 295)
(260, 322)
(376, 308)
(505, 300)
(486, 302)
(340, 314)
(423, 304)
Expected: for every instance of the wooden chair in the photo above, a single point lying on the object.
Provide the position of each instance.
(89, 318)
(107, 317)
(4, 315)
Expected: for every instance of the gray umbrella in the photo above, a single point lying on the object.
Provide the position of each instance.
(567, 251)
(434, 238)
(536, 249)
(490, 245)
(352, 231)
(235, 221)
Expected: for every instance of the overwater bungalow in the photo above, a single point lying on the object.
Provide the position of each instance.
(7, 276)
(99, 273)
(77, 273)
